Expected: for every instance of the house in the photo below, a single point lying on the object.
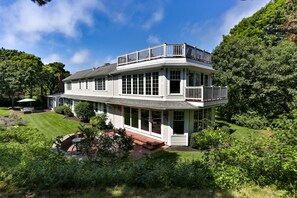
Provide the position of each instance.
(164, 92)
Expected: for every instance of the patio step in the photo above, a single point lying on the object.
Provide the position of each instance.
(145, 142)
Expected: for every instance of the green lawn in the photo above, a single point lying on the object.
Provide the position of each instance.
(4, 111)
(240, 132)
(51, 123)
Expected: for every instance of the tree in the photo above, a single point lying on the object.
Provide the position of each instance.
(41, 2)
(54, 73)
(30, 67)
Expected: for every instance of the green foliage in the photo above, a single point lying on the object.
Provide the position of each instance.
(65, 110)
(210, 138)
(262, 160)
(99, 121)
(84, 110)
(251, 120)
(261, 79)
(59, 109)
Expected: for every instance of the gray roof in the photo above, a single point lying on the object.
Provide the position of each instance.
(90, 73)
(152, 104)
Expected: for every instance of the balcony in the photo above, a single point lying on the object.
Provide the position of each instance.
(205, 94)
(165, 51)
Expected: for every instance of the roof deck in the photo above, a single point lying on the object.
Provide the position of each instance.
(165, 51)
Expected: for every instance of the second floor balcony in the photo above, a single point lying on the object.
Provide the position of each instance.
(206, 93)
(165, 51)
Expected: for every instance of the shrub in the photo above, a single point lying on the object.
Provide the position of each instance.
(251, 120)
(59, 109)
(84, 111)
(65, 110)
(210, 138)
(99, 121)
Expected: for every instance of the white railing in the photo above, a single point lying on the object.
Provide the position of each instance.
(206, 93)
(165, 51)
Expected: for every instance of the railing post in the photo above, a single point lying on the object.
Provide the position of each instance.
(202, 93)
(184, 52)
(137, 56)
(149, 53)
(212, 96)
(126, 58)
(165, 50)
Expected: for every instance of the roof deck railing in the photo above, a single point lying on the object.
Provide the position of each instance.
(165, 51)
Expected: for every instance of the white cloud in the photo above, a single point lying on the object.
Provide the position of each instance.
(153, 39)
(156, 17)
(52, 58)
(24, 23)
(80, 57)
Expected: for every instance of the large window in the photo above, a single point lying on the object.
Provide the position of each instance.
(100, 84)
(202, 119)
(148, 84)
(178, 122)
(156, 122)
(175, 81)
(68, 86)
(80, 84)
(87, 84)
(127, 116)
(145, 116)
(139, 84)
(135, 84)
(129, 84)
(155, 83)
(134, 116)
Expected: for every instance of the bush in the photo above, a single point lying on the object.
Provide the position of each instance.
(210, 138)
(84, 111)
(99, 121)
(65, 110)
(59, 109)
(251, 120)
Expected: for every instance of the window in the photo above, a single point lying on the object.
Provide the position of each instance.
(178, 122)
(175, 81)
(198, 120)
(124, 84)
(127, 116)
(156, 122)
(134, 84)
(69, 86)
(134, 116)
(87, 84)
(148, 85)
(140, 84)
(155, 83)
(100, 84)
(129, 84)
(145, 115)
(79, 83)
(206, 80)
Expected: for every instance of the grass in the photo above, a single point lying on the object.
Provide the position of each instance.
(179, 156)
(51, 123)
(240, 132)
(4, 111)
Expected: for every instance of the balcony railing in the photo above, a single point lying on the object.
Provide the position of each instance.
(204, 93)
(165, 51)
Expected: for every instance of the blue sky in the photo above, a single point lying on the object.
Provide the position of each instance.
(88, 33)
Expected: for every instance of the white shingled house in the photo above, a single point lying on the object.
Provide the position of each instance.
(164, 92)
